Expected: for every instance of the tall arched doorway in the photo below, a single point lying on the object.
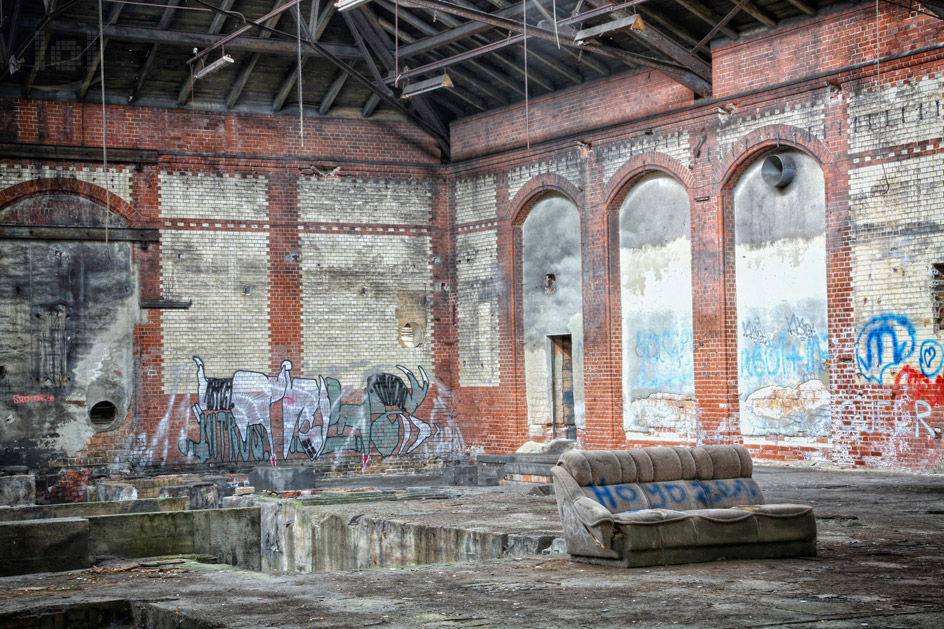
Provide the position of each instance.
(553, 318)
(780, 265)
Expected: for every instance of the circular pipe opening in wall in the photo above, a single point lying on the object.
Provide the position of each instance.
(103, 413)
(778, 170)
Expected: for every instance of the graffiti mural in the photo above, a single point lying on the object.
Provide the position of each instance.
(886, 341)
(236, 420)
(783, 374)
(902, 427)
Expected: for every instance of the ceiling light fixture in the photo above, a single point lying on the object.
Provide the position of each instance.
(213, 67)
(347, 5)
(428, 85)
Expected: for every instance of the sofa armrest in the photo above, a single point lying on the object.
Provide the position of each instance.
(588, 525)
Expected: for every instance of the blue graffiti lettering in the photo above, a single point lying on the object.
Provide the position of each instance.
(604, 495)
(931, 358)
(655, 491)
(665, 358)
(803, 358)
(627, 493)
(887, 340)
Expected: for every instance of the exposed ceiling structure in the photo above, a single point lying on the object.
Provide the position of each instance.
(359, 61)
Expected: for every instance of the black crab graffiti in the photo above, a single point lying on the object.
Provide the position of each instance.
(235, 418)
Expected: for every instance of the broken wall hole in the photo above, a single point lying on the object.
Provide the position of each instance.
(411, 334)
(937, 295)
(103, 413)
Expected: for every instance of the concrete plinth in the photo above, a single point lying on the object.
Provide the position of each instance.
(44, 546)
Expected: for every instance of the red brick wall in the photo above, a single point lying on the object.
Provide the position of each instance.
(803, 113)
(633, 123)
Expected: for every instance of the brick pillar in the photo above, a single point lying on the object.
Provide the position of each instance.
(285, 272)
(285, 286)
(601, 373)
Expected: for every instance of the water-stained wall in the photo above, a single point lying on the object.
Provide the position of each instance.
(656, 298)
(780, 250)
(551, 289)
(67, 311)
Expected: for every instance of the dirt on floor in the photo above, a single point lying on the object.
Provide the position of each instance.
(880, 563)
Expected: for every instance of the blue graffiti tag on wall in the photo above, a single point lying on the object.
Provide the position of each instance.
(885, 341)
(786, 355)
(665, 359)
(931, 358)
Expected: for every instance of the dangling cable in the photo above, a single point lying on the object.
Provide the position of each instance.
(101, 62)
(301, 112)
(396, 43)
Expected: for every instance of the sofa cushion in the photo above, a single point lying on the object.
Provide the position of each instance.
(658, 464)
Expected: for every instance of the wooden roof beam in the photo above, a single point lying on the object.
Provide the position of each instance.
(707, 15)
(759, 14)
(39, 59)
(337, 84)
(288, 83)
(218, 20)
(804, 6)
(426, 29)
(113, 14)
(246, 71)
(687, 77)
(145, 68)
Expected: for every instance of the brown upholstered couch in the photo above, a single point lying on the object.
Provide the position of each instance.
(650, 506)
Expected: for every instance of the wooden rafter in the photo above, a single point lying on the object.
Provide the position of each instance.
(153, 51)
(316, 25)
(247, 69)
(113, 15)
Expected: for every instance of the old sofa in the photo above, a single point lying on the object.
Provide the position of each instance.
(670, 505)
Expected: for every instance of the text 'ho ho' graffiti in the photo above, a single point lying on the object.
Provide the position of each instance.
(889, 341)
(235, 419)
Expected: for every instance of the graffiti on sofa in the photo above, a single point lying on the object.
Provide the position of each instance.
(235, 419)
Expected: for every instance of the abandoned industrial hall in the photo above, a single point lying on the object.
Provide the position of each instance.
(251, 248)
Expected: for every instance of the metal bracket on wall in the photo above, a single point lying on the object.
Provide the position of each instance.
(166, 305)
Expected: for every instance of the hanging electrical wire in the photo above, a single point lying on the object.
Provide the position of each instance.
(396, 43)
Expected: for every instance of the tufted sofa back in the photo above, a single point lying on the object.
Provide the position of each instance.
(677, 478)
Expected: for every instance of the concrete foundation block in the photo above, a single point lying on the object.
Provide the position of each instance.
(141, 534)
(460, 475)
(110, 490)
(44, 546)
(18, 490)
(282, 478)
(200, 495)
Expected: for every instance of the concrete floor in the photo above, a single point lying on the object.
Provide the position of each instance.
(880, 564)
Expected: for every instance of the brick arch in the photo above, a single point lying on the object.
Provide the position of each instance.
(536, 189)
(727, 173)
(637, 167)
(764, 139)
(82, 189)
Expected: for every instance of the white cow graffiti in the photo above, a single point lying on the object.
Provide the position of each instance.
(300, 406)
(248, 394)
